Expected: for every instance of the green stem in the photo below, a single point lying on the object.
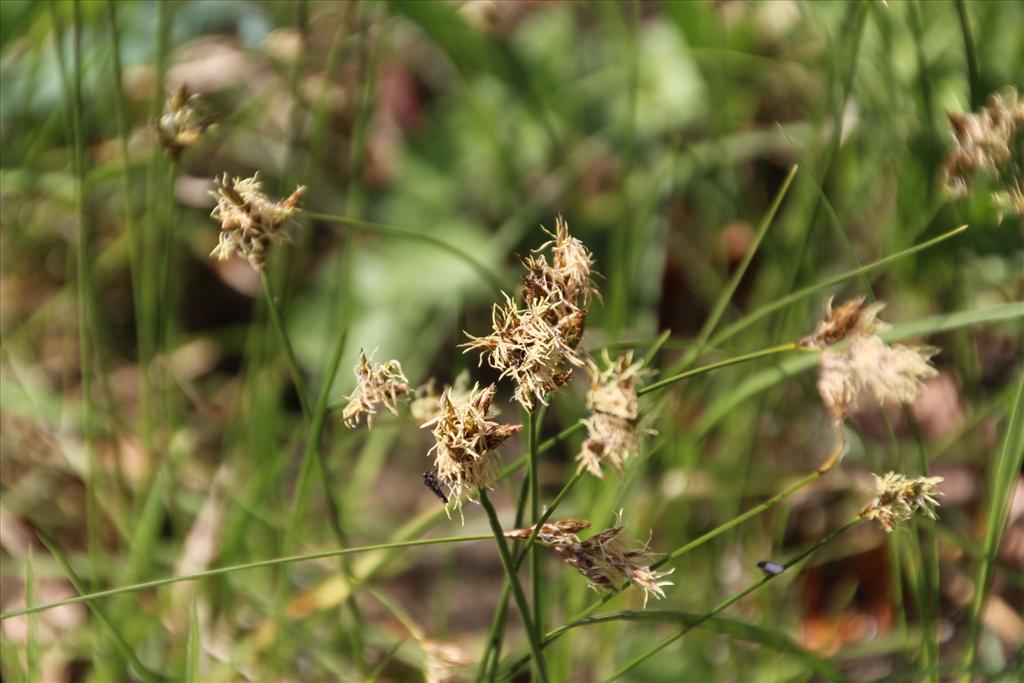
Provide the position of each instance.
(734, 282)
(231, 569)
(534, 421)
(783, 301)
(714, 366)
(72, 90)
(101, 614)
(830, 462)
(293, 363)
(313, 454)
(492, 650)
(547, 515)
(426, 237)
(517, 590)
(973, 80)
(730, 601)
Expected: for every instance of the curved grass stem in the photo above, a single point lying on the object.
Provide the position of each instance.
(231, 569)
(293, 364)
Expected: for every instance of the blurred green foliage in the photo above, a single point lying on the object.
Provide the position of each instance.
(661, 131)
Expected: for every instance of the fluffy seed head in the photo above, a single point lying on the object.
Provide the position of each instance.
(564, 280)
(535, 345)
(249, 222)
(867, 366)
(607, 560)
(380, 384)
(613, 436)
(990, 143)
(890, 374)
(464, 441)
(898, 498)
(181, 124)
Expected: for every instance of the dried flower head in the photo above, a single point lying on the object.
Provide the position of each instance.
(613, 436)
(891, 374)
(556, 533)
(380, 384)
(852, 317)
(181, 125)
(442, 660)
(426, 401)
(989, 142)
(535, 345)
(566, 279)
(898, 498)
(249, 222)
(607, 560)
(464, 440)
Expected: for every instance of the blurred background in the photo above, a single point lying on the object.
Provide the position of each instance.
(149, 426)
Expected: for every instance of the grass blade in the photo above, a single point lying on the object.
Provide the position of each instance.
(1001, 486)
(223, 571)
(193, 654)
(101, 614)
(783, 301)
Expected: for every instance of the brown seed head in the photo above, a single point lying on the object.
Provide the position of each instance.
(527, 347)
(613, 436)
(381, 384)
(898, 498)
(465, 441)
(535, 346)
(608, 560)
(852, 317)
(989, 143)
(181, 124)
(250, 223)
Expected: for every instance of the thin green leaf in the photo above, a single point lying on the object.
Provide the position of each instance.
(193, 655)
(31, 643)
(783, 301)
(231, 569)
(119, 640)
(1002, 482)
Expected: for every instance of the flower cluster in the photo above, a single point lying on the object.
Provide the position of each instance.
(464, 440)
(989, 142)
(607, 560)
(181, 124)
(380, 384)
(612, 433)
(890, 374)
(535, 345)
(898, 498)
(249, 222)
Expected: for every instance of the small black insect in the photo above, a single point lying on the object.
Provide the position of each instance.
(434, 484)
(771, 568)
